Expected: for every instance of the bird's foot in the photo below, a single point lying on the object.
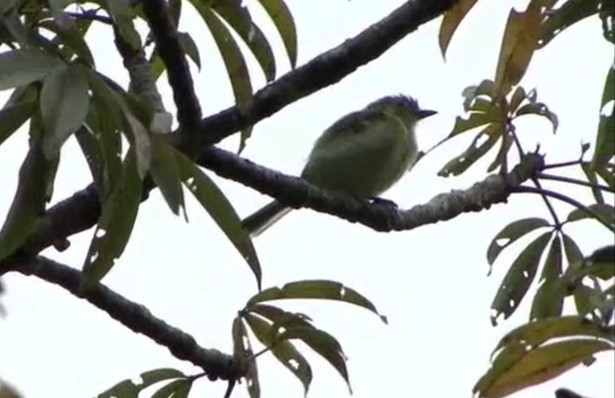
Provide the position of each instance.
(389, 204)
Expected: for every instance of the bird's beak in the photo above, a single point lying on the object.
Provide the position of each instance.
(423, 113)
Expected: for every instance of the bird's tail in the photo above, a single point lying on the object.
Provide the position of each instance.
(259, 221)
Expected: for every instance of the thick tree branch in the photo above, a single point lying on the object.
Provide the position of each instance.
(326, 69)
(135, 316)
(294, 192)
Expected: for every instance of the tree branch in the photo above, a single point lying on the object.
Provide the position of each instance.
(326, 69)
(138, 318)
(294, 192)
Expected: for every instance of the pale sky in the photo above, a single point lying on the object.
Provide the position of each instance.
(430, 282)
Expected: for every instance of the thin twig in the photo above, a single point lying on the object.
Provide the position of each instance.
(545, 176)
(90, 16)
(563, 164)
(566, 199)
(558, 225)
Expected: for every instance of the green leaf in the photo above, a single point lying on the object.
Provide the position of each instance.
(533, 334)
(15, 112)
(233, 61)
(480, 145)
(176, 389)
(123, 389)
(238, 17)
(119, 213)
(548, 301)
(539, 365)
(323, 344)
(64, 105)
(604, 211)
(7, 5)
(91, 151)
(553, 264)
(501, 159)
(574, 256)
(570, 12)
(219, 208)
(23, 66)
(510, 233)
(451, 21)
(587, 300)
(285, 24)
(601, 264)
(165, 173)
(285, 351)
(190, 48)
(35, 180)
(315, 289)
(519, 278)
(518, 96)
(593, 179)
(539, 109)
(518, 45)
(475, 119)
(244, 355)
(73, 39)
(605, 141)
(154, 376)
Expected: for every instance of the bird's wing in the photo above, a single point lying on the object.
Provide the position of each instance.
(354, 122)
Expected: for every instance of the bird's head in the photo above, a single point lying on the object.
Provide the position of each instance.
(402, 105)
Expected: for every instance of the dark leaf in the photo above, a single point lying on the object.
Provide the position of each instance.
(481, 144)
(23, 66)
(64, 105)
(570, 12)
(220, 209)
(243, 353)
(315, 289)
(115, 226)
(511, 233)
(16, 111)
(539, 109)
(176, 389)
(285, 24)
(190, 48)
(605, 141)
(605, 212)
(519, 278)
(285, 351)
(165, 172)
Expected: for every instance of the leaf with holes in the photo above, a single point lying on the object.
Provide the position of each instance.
(23, 66)
(539, 365)
(315, 289)
(539, 109)
(119, 213)
(570, 12)
(64, 105)
(475, 119)
(220, 209)
(519, 278)
(323, 344)
(510, 233)
(285, 351)
(471, 93)
(285, 25)
(480, 145)
(244, 355)
(605, 140)
(127, 388)
(451, 21)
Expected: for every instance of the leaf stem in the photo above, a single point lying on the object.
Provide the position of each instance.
(558, 224)
(545, 176)
(563, 164)
(566, 199)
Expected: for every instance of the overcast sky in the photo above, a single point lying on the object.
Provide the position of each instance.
(431, 282)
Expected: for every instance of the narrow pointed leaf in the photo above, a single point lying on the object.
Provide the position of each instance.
(285, 24)
(542, 364)
(315, 289)
(548, 301)
(519, 278)
(64, 105)
(14, 114)
(569, 13)
(190, 48)
(243, 353)
(115, 226)
(539, 109)
(451, 21)
(510, 233)
(220, 209)
(605, 141)
(324, 345)
(605, 211)
(480, 145)
(23, 66)
(165, 173)
(284, 351)
(176, 389)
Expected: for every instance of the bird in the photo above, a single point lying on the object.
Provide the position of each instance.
(361, 155)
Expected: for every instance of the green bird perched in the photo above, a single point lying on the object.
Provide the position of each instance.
(362, 154)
